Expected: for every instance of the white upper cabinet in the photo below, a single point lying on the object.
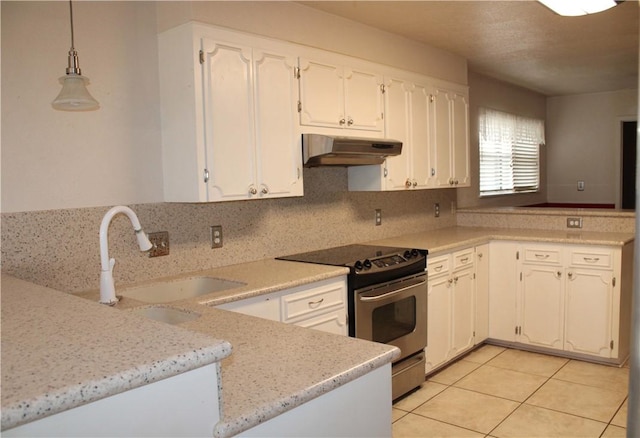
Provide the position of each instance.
(407, 110)
(228, 116)
(449, 137)
(340, 96)
(407, 120)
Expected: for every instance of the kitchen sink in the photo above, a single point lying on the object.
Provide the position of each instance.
(168, 291)
(167, 315)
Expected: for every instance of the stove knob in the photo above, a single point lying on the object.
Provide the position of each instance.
(358, 265)
(408, 254)
(415, 252)
(367, 264)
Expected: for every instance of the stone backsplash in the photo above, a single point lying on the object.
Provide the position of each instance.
(60, 248)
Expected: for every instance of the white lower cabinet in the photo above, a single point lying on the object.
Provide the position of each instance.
(451, 307)
(321, 306)
(571, 298)
(541, 297)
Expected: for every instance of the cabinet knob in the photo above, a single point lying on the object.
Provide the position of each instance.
(456, 182)
(450, 181)
(415, 183)
(558, 274)
(570, 275)
(350, 122)
(407, 183)
(342, 122)
(253, 190)
(265, 190)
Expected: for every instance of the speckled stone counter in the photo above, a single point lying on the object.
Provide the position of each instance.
(593, 219)
(447, 239)
(258, 278)
(60, 352)
(276, 367)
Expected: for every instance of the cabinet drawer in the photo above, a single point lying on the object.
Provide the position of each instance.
(438, 265)
(543, 255)
(462, 259)
(600, 258)
(309, 302)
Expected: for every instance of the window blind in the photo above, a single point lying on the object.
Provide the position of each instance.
(509, 152)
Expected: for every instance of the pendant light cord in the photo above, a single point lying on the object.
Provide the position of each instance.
(71, 19)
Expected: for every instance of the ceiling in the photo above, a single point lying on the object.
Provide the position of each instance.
(520, 42)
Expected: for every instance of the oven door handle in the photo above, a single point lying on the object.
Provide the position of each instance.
(390, 294)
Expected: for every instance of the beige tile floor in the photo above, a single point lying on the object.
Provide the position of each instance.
(499, 392)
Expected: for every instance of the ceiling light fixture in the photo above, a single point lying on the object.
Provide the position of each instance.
(575, 8)
(74, 95)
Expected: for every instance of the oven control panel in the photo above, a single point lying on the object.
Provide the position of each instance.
(388, 260)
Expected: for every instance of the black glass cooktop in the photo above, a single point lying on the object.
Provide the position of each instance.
(343, 255)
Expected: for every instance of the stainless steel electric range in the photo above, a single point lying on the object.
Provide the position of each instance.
(387, 302)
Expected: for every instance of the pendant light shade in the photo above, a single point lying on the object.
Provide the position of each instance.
(74, 95)
(574, 8)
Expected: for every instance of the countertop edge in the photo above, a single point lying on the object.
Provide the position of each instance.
(74, 396)
(226, 428)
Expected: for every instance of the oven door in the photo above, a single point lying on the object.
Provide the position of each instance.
(394, 313)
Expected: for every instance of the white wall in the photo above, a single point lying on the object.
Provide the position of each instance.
(59, 160)
(491, 93)
(54, 159)
(583, 143)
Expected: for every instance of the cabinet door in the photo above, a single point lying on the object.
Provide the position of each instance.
(589, 310)
(228, 124)
(419, 135)
(441, 172)
(397, 103)
(460, 140)
(542, 306)
(439, 322)
(482, 293)
(321, 94)
(462, 311)
(278, 153)
(363, 100)
(503, 292)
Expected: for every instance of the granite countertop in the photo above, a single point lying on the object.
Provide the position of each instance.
(552, 211)
(60, 352)
(447, 239)
(274, 367)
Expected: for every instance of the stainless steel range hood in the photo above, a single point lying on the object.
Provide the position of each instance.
(327, 150)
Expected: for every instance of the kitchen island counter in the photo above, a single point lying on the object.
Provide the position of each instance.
(60, 352)
(271, 367)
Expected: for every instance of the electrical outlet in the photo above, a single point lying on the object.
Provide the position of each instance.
(216, 236)
(580, 186)
(378, 216)
(574, 222)
(160, 243)
(436, 209)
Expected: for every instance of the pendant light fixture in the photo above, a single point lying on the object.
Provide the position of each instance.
(74, 95)
(574, 8)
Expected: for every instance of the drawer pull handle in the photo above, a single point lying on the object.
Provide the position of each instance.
(464, 260)
(438, 268)
(542, 256)
(591, 259)
(314, 304)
